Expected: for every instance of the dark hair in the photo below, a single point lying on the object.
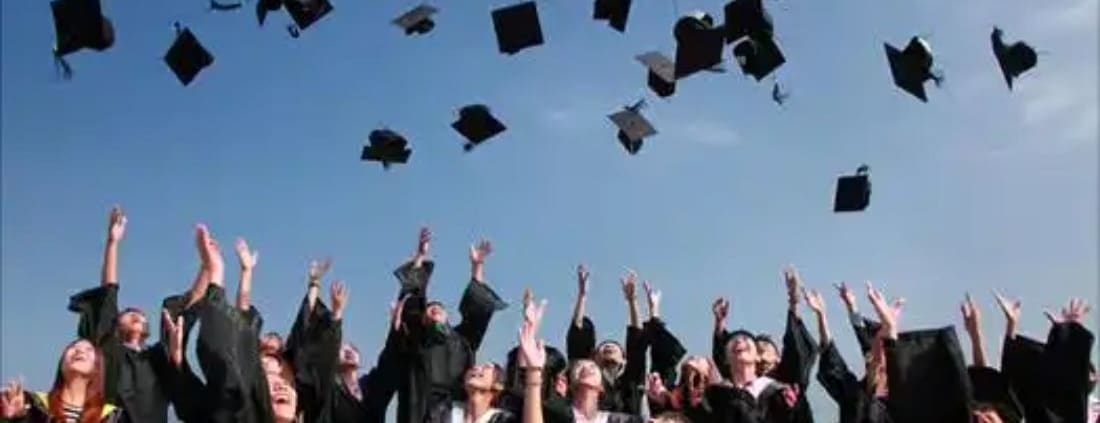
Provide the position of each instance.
(763, 337)
(94, 398)
(144, 327)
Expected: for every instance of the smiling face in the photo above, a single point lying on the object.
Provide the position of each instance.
(741, 349)
(586, 374)
(79, 359)
(482, 377)
(132, 325)
(435, 313)
(769, 356)
(284, 398)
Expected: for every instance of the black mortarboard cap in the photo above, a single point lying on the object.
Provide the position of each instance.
(633, 127)
(661, 77)
(517, 27)
(698, 44)
(307, 12)
(991, 389)
(747, 18)
(758, 57)
(1014, 59)
(912, 67)
(853, 192)
(477, 124)
(926, 368)
(615, 12)
(865, 334)
(418, 20)
(187, 57)
(80, 24)
(387, 147)
(265, 6)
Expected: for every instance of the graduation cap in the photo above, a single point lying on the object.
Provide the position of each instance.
(912, 67)
(1014, 59)
(265, 6)
(698, 44)
(615, 12)
(79, 24)
(517, 27)
(865, 333)
(991, 389)
(927, 377)
(759, 56)
(187, 57)
(661, 77)
(853, 192)
(477, 124)
(387, 147)
(418, 20)
(306, 12)
(217, 6)
(633, 127)
(747, 18)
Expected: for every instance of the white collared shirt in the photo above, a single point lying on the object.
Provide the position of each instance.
(578, 417)
(458, 414)
(757, 386)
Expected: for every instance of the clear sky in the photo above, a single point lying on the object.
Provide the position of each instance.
(981, 188)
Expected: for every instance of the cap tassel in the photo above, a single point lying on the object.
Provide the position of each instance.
(294, 31)
(936, 76)
(61, 65)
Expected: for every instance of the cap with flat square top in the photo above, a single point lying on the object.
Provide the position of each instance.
(912, 67)
(633, 127)
(418, 20)
(517, 27)
(477, 124)
(747, 18)
(1014, 59)
(386, 147)
(80, 24)
(758, 56)
(661, 77)
(853, 192)
(307, 12)
(615, 12)
(187, 56)
(698, 44)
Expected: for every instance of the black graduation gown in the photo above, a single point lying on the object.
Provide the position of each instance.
(927, 377)
(734, 405)
(856, 403)
(665, 353)
(1051, 381)
(441, 413)
(235, 390)
(512, 399)
(133, 379)
(623, 395)
(438, 358)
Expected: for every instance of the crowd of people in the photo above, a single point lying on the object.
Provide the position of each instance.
(111, 373)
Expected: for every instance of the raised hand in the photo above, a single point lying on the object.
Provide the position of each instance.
(814, 300)
(721, 309)
(790, 395)
(629, 282)
(246, 257)
(532, 312)
(424, 242)
(318, 268)
(582, 280)
(972, 315)
(174, 329)
(846, 295)
(339, 294)
(211, 255)
(532, 351)
(887, 313)
(1073, 313)
(12, 400)
(1011, 309)
(653, 298)
(480, 251)
(794, 284)
(116, 225)
(655, 388)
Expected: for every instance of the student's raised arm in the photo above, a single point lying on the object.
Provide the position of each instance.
(580, 338)
(248, 259)
(532, 359)
(116, 230)
(479, 302)
(972, 320)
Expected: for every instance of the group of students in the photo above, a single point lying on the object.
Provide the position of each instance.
(110, 373)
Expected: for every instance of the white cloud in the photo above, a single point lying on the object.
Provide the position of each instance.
(706, 132)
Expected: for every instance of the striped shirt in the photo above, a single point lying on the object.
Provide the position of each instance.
(72, 413)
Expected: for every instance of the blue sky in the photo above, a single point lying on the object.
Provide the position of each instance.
(981, 188)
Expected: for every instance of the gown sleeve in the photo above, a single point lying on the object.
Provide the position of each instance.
(184, 389)
(665, 351)
(382, 382)
(477, 307)
(1066, 371)
(799, 353)
(229, 357)
(1021, 359)
(718, 352)
(927, 377)
(314, 348)
(98, 311)
(833, 374)
(580, 341)
(633, 378)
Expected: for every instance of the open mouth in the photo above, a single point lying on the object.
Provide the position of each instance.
(281, 399)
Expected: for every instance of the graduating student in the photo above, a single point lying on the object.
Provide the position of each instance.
(554, 376)
(1052, 380)
(621, 370)
(686, 398)
(77, 394)
(993, 400)
(438, 354)
(747, 396)
(133, 371)
(859, 401)
(532, 359)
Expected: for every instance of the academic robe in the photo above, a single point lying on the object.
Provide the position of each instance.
(665, 353)
(235, 390)
(1051, 380)
(927, 377)
(132, 379)
(623, 394)
(795, 364)
(856, 403)
(735, 405)
(438, 357)
(441, 413)
(555, 407)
